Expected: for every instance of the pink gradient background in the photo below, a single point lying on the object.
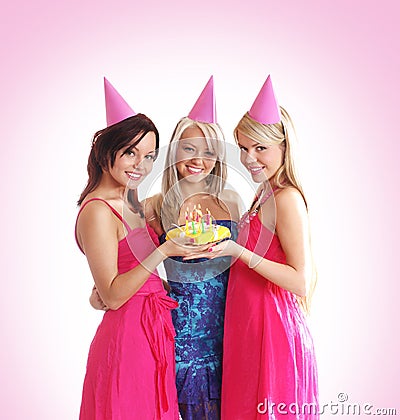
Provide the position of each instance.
(335, 67)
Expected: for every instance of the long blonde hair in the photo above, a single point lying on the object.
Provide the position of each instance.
(168, 203)
(284, 135)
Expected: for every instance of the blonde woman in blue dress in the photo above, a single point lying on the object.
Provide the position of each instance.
(195, 174)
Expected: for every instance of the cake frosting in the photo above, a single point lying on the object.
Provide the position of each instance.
(199, 229)
(214, 234)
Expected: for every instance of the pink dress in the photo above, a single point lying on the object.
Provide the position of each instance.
(130, 372)
(268, 350)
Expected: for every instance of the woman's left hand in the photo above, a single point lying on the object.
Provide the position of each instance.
(96, 301)
(215, 250)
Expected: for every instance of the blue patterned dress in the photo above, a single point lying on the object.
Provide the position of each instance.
(199, 286)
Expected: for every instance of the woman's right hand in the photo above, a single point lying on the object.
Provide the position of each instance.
(96, 301)
(219, 249)
(171, 248)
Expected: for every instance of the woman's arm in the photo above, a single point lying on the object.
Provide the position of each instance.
(292, 230)
(151, 212)
(98, 236)
(153, 220)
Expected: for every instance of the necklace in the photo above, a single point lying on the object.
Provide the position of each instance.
(249, 215)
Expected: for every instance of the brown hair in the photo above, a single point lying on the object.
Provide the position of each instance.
(105, 145)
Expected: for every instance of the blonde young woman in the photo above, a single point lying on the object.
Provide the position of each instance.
(195, 174)
(269, 369)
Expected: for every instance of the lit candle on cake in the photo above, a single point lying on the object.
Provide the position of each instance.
(186, 221)
(208, 217)
(199, 228)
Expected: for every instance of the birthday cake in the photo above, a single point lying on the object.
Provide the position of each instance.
(199, 229)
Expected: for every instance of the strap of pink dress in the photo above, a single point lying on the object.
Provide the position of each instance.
(111, 208)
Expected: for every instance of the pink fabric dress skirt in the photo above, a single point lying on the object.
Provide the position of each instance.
(268, 350)
(130, 372)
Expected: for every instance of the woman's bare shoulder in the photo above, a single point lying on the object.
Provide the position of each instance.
(289, 197)
(98, 210)
(234, 202)
(230, 195)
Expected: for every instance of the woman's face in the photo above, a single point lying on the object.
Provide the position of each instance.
(194, 159)
(133, 163)
(261, 160)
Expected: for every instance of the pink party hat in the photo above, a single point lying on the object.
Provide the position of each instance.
(117, 108)
(265, 109)
(204, 108)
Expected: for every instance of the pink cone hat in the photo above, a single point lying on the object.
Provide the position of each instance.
(204, 108)
(117, 108)
(265, 109)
